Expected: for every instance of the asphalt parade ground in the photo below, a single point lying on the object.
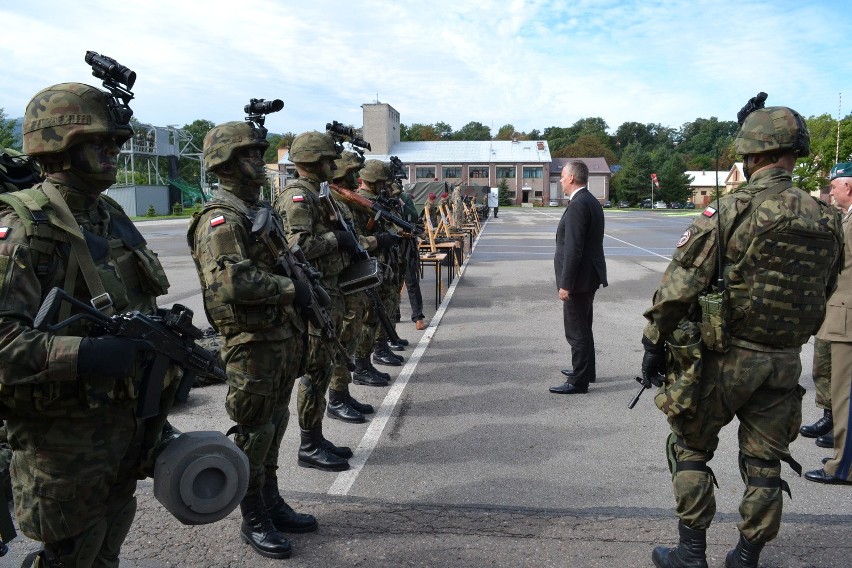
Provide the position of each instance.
(469, 460)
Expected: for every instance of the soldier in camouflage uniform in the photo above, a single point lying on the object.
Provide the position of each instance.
(308, 225)
(372, 181)
(773, 236)
(837, 469)
(69, 397)
(263, 335)
(341, 404)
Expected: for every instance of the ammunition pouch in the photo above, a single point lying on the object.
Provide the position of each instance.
(714, 321)
(679, 394)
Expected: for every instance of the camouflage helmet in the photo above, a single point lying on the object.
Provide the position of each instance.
(347, 162)
(843, 169)
(58, 116)
(773, 128)
(221, 141)
(374, 170)
(310, 147)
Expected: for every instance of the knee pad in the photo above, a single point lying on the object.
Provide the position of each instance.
(683, 458)
(765, 474)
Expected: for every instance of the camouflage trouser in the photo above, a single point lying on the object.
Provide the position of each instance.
(388, 292)
(74, 480)
(822, 373)
(367, 333)
(350, 334)
(261, 375)
(761, 389)
(310, 400)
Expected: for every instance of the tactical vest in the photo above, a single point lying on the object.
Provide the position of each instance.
(777, 287)
(229, 319)
(129, 271)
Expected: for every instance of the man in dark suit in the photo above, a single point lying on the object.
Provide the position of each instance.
(580, 271)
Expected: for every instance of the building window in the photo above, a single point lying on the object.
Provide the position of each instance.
(538, 194)
(477, 172)
(533, 172)
(451, 172)
(423, 173)
(506, 172)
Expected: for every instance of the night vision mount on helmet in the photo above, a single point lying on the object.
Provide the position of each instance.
(770, 129)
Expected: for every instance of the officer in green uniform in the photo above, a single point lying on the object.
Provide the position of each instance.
(310, 227)
(772, 235)
(821, 373)
(69, 397)
(341, 404)
(263, 337)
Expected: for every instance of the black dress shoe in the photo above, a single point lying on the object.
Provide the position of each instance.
(826, 441)
(568, 388)
(570, 374)
(825, 460)
(820, 476)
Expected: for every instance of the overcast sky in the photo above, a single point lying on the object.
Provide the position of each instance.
(530, 63)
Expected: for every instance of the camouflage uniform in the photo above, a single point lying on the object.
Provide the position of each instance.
(78, 446)
(310, 227)
(756, 379)
(263, 337)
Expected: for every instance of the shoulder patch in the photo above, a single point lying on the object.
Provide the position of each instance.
(4, 232)
(298, 198)
(684, 238)
(217, 220)
(709, 212)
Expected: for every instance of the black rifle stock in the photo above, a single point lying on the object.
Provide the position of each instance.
(345, 225)
(646, 384)
(293, 264)
(170, 332)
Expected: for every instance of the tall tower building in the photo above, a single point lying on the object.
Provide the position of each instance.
(381, 127)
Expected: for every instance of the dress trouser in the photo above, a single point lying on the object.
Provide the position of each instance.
(577, 317)
(841, 389)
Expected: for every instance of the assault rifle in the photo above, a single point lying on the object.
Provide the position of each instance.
(381, 209)
(170, 332)
(360, 255)
(292, 263)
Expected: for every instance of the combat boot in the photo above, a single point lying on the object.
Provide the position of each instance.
(745, 555)
(258, 532)
(690, 552)
(361, 407)
(366, 374)
(315, 451)
(339, 408)
(397, 345)
(282, 515)
(819, 428)
(382, 355)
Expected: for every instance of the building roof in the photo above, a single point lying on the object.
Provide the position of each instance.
(706, 178)
(595, 165)
(469, 152)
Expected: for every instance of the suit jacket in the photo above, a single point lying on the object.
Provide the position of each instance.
(837, 326)
(579, 260)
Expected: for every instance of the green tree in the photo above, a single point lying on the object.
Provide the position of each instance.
(633, 181)
(418, 132)
(503, 196)
(189, 168)
(674, 183)
(271, 154)
(506, 132)
(473, 131)
(587, 146)
(7, 133)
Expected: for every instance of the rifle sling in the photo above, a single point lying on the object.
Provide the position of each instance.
(101, 300)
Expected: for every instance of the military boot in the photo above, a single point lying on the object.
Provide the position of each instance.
(361, 407)
(282, 515)
(382, 355)
(826, 440)
(257, 529)
(397, 345)
(339, 408)
(690, 551)
(364, 374)
(819, 428)
(745, 555)
(315, 451)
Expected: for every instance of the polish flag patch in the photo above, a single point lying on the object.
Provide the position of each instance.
(709, 212)
(4, 232)
(217, 220)
(298, 198)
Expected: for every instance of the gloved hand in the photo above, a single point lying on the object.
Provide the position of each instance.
(111, 356)
(346, 242)
(653, 363)
(387, 240)
(303, 296)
